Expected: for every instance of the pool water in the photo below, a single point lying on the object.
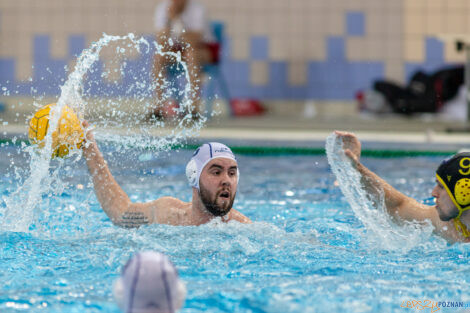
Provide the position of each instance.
(306, 251)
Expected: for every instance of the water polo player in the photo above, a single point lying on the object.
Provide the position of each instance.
(149, 283)
(450, 216)
(212, 173)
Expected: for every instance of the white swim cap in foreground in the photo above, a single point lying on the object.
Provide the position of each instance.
(203, 155)
(149, 283)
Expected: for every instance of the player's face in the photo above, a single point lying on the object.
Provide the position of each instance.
(218, 185)
(444, 205)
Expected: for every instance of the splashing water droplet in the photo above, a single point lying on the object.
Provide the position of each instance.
(381, 231)
(118, 114)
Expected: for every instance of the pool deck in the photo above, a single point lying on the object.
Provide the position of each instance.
(385, 132)
(291, 124)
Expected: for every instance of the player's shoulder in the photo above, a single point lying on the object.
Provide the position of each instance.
(170, 210)
(168, 202)
(239, 217)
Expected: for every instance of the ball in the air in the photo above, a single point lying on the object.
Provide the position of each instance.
(68, 135)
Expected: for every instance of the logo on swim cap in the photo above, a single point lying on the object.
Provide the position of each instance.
(223, 150)
(203, 155)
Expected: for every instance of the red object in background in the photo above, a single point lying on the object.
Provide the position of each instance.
(360, 100)
(246, 107)
(214, 52)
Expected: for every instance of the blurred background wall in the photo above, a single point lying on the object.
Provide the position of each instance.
(274, 49)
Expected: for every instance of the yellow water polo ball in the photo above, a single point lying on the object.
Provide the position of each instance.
(462, 191)
(68, 135)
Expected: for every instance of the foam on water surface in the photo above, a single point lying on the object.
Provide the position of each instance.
(307, 250)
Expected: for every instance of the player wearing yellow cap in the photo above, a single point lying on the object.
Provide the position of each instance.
(453, 175)
(450, 216)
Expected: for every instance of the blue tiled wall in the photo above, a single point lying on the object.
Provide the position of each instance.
(434, 58)
(343, 46)
(334, 78)
(259, 48)
(355, 24)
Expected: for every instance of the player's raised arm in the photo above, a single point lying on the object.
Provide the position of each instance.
(397, 204)
(114, 201)
(451, 214)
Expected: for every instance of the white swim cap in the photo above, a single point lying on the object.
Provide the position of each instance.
(149, 283)
(203, 155)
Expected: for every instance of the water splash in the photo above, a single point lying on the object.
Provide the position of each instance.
(121, 118)
(381, 231)
(117, 125)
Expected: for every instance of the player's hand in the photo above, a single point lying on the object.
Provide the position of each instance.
(351, 145)
(89, 138)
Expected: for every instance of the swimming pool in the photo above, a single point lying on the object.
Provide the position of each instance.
(306, 252)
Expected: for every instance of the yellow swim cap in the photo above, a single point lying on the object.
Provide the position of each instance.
(454, 175)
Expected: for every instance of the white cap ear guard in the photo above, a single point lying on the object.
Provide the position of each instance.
(203, 155)
(191, 173)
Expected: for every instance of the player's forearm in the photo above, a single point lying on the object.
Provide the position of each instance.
(373, 184)
(112, 198)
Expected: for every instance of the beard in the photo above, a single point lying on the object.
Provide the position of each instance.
(211, 204)
(445, 216)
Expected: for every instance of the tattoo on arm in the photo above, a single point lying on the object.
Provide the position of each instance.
(133, 219)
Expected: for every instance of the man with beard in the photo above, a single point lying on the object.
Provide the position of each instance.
(212, 172)
(451, 214)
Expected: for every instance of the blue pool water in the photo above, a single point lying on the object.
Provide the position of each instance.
(306, 251)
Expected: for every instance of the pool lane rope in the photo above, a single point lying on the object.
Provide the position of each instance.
(283, 151)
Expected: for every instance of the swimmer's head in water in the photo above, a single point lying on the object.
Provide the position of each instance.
(454, 175)
(149, 283)
(203, 155)
(217, 202)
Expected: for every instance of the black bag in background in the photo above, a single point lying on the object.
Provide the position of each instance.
(424, 93)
